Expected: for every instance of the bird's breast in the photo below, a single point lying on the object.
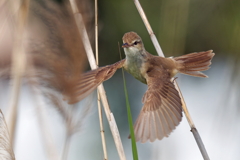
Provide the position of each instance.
(135, 66)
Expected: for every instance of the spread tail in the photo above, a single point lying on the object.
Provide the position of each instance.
(193, 63)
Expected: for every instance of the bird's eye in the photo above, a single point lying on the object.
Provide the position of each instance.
(136, 42)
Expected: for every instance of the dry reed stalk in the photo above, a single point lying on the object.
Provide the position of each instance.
(50, 146)
(73, 125)
(184, 106)
(104, 145)
(98, 95)
(92, 61)
(66, 146)
(69, 132)
(6, 151)
(67, 116)
(18, 67)
(73, 121)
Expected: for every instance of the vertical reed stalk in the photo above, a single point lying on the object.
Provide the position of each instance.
(18, 67)
(48, 142)
(66, 146)
(68, 135)
(92, 61)
(98, 95)
(184, 106)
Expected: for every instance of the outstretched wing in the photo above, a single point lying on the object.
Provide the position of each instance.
(92, 79)
(162, 110)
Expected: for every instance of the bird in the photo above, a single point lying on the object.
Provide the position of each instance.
(162, 106)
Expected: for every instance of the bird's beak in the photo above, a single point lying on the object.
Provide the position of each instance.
(125, 45)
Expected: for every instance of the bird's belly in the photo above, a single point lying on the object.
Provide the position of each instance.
(137, 74)
(135, 70)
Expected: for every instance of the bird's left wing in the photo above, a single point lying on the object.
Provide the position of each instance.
(162, 110)
(92, 79)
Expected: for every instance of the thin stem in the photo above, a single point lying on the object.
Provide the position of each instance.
(93, 65)
(149, 28)
(68, 134)
(98, 95)
(48, 141)
(184, 106)
(96, 31)
(102, 128)
(18, 68)
(67, 142)
(193, 128)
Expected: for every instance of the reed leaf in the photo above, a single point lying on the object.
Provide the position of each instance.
(134, 146)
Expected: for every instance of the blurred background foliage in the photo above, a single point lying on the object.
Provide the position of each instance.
(181, 26)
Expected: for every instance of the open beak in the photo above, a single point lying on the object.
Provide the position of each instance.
(125, 45)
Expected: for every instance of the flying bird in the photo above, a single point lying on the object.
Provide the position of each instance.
(162, 109)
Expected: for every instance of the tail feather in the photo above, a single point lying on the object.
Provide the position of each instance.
(193, 63)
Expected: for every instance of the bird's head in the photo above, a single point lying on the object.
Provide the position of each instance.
(132, 43)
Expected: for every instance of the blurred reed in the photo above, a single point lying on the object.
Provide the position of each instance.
(54, 48)
(18, 65)
(6, 150)
(42, 37)
(101, 91)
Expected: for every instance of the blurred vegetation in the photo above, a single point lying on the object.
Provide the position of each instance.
(181, 26)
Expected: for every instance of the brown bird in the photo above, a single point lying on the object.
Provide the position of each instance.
(162, 109)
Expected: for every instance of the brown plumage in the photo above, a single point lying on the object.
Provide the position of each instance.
(90, 80)
(162, 109)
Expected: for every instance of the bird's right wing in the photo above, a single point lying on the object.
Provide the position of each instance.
(90, 80)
